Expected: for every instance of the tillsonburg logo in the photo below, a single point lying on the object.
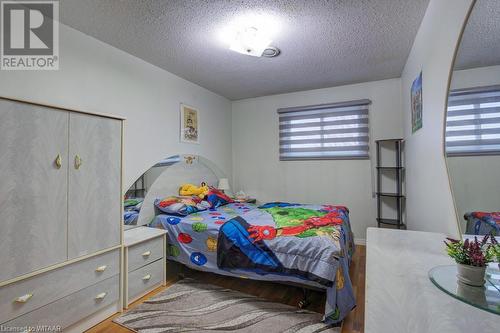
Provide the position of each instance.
(30, 35)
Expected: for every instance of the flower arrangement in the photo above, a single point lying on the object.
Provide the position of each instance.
(473, 253)
(495, 249)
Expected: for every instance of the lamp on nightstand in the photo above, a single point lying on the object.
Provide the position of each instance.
(223, 185)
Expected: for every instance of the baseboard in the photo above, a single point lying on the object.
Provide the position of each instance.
(360, 241)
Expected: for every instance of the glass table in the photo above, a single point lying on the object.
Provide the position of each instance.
(486, 297)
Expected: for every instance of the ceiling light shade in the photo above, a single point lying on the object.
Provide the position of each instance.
(250, 41)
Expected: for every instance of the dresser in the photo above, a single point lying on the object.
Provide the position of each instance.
(61, 216)
(145, 261)
(399, 295)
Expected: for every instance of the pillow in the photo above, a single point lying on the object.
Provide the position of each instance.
(181, 205)
(217, 198)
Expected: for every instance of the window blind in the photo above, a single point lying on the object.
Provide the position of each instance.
(473, 122)
(326, 131)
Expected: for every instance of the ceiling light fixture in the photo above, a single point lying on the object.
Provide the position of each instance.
(271, 52)
(250, 41)
(251, 33)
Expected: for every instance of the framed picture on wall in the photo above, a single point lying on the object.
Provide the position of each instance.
(190, 122)
(416, 104)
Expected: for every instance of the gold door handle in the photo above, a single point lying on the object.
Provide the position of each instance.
(146, 277)
(101, 268)
(24, 298)
(146, 254)
(58, 161)
(78, 162)
(100, 296)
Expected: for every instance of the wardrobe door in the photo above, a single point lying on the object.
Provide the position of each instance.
(94, 211)
(33, 187)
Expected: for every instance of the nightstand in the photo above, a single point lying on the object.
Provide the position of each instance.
(145, 262)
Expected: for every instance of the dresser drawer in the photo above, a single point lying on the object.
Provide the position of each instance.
(72, 308)
(29, 294)
(144, 253)
(145, 278)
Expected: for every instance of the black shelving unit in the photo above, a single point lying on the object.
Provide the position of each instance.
(396, 194)
(138, 189)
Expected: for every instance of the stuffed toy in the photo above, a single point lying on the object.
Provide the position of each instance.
(190, 190)
(217, 198)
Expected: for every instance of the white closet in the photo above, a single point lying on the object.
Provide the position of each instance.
(60, 214)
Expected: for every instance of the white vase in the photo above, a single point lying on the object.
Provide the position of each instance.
(471, 275)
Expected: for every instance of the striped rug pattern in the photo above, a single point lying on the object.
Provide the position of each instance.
(193, 306)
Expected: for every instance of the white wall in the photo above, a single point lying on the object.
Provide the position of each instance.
(429, 201)
(258, 171)
(475, 77)
(97, 77)
(475, 180)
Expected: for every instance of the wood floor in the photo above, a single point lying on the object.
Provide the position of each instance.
(354, 323)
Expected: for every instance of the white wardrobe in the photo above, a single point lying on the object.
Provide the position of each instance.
(60, 216)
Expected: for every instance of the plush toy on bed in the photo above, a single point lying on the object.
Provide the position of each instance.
(190, 190)
(217, 198)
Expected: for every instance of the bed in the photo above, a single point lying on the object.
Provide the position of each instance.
(482, 223)
(306, 245)
(310, 245)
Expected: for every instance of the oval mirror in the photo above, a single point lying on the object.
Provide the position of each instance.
(472, 126)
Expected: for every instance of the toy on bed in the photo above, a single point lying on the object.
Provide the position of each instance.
(212, 195)
(191, 190)
(217, 198)
(483, 223)
(181, 205)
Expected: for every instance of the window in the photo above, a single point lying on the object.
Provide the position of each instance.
(473, 122)
(326, 131)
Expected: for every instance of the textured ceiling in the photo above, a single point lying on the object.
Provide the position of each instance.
(480, 44)
(323, 43)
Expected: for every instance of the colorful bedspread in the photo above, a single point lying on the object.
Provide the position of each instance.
(481, 223)
(307, 244)
(131, 210)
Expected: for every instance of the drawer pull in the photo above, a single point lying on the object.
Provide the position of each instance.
(101, 268)
(78, 162)
(24, 298)
(146, 277)
(100, 296)
(146, 254)
(58, 161)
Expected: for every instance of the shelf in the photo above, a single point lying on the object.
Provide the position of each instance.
(389, 168)
(389, 221)
(395, 170)
(393, 222)
(386, 194)
(389, 140)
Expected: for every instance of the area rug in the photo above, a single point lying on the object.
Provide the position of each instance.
(192, 306)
